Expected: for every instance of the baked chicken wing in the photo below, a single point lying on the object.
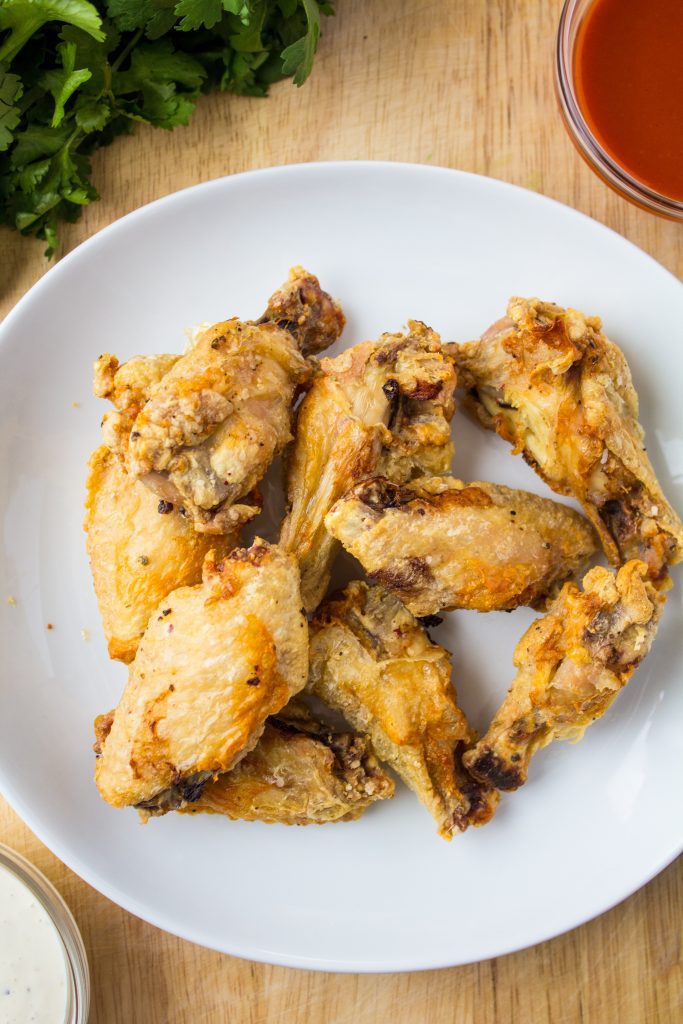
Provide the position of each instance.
(571, 664)
(438, 543)
(381, 406)
(549, 381)
(127, 386)
(214, 421)
(215, 661)
(299, 773)
(373, 662)
(137, 556)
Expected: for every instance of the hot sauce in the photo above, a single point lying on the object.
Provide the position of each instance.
(629, 83)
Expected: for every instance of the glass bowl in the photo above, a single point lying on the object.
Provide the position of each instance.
(77, 975)
(580, 133)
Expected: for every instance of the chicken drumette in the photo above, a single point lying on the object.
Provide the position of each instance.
(380, 407)
(549, 381)
(137, 555)
(438, 543)
(212, 423)
(299, 773)
(373, 662)
(571, 665)
(215, 661)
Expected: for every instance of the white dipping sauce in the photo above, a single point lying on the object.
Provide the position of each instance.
(32, 962)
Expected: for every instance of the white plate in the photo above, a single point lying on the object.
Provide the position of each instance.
(593, 823)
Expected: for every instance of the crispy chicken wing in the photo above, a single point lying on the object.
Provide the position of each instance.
(215, 661)
(438, 543)
(571, 665)
(127, 386)
(550, 382)
(299, 773)
(381, 406)
(373, 662)
(137, 556)
(213, 422)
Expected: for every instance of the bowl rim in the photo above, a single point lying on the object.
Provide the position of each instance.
(585, 141)
(75, 957)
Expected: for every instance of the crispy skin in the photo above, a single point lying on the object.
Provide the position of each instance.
(299, 773)
(214, 421)
(127, 386)
(381, 406)
(137, 555)
(438, 543)
(215, 661)
(549, 381)
(571, 665)
(373, 662)
(310, 315)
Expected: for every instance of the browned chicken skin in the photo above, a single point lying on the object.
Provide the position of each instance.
(214, 420)
(373, 662)
(571, 664)
(438, 543)
(380, 406)
(299, 773)
(215, 662)
(549, 381)
(137, 555)
(308, 313)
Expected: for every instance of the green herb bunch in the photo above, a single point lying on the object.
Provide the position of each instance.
(75, 74)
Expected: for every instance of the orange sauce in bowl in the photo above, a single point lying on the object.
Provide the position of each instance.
(628, 73)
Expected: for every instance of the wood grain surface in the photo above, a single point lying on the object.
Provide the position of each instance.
(460, 83)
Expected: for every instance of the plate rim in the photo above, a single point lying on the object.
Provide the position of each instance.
(92, 876)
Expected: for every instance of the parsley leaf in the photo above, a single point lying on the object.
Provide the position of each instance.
(63, 84)
(76, 74)
(156, 17)
(207, 13)
(11, 90)
(297, 59)
(24, 17)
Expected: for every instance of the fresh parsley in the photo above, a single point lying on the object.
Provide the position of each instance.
(75, 74)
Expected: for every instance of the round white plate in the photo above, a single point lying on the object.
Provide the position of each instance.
(385, 893)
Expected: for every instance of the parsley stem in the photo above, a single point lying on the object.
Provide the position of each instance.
(133, 41)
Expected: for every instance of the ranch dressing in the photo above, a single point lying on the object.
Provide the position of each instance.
(33, 987)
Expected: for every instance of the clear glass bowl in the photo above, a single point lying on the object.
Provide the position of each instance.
(78, 977)
(583, 138)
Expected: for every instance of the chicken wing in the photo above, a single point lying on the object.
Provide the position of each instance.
(215, 661)
(213, 422)
(127, 386)
(549, 381)
(137, 556)
(299, 773)
(381, 406)
(373, 662)
(571, 665)
(437, 543)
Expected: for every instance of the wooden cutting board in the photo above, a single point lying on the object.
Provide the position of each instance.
(459, 83)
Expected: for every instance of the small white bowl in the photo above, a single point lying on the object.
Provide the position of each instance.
(76, 961)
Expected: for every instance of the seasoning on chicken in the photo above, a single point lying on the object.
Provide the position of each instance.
(137, 556)
(549, 382)
(214, 421)
(127, 386)
(373, 662)
(299, 773)
(215, 662)
(438, 543)
(379, 407)
(571, 664)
